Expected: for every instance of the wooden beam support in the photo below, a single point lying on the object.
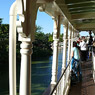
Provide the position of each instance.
(83, 16)
(88, 26)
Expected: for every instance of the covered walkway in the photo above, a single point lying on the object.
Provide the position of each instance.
(75, 16)
(87, 86)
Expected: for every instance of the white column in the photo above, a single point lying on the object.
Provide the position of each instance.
(55, 50)
(69, 43)
(69, 54)
(65, 46)
(27, 11)
(72, 36)
(12, 50)
(55, 62)
(25, 74)
(75, 35)
(65, 38)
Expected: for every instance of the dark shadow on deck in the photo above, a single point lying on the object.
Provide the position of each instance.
(87, 86)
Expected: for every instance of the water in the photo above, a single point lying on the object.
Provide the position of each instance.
(41, 76)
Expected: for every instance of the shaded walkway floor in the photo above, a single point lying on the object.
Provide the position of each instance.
(87, 86)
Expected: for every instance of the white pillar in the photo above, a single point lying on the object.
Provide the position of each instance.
(55, 50)
(75, 35)
(25, 74)
(55, 62)
(72, 36)
(27, 11)
(69, 54)
(12, 50)
(65, 38)
(69, 43)
(65, 46)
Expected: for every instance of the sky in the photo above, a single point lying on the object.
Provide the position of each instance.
(43, 19)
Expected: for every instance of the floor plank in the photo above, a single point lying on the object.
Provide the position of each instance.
(87, 86)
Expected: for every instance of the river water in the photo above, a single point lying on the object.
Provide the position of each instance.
(41, 76)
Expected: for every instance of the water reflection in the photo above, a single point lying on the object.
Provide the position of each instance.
(41, 76)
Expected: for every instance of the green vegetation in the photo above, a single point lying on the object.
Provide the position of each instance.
(1, 20)
(41, 45)
(4, 36)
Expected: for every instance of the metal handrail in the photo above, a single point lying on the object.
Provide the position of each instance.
(59, 79)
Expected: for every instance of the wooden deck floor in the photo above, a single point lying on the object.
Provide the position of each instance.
(87, 86)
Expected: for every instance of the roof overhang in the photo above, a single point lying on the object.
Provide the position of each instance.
(79, 13)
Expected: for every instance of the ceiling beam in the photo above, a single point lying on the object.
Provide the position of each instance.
(89, 26)
(85, 2)
(88, 15)
(82, 11)
(81, 7)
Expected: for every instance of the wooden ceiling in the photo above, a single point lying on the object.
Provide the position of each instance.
(81, 13)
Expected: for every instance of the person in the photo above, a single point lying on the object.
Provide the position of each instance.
(90, 42)
(83, 49)
(78, 42)
(75, 64)
(90, 38)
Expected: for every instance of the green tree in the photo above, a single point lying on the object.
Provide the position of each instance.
(41, 45)
(4, 43)
(50, 39)
(1, 19)
(61, 37)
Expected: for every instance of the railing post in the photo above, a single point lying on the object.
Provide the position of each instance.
(55, 51)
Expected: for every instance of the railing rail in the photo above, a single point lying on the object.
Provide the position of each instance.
(52, 88)
(60, 79)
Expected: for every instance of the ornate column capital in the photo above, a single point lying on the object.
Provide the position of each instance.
(56, 30)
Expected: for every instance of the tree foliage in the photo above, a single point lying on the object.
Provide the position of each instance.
(4, 36)
(61, 37)
(41, 45)
(1, 20)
